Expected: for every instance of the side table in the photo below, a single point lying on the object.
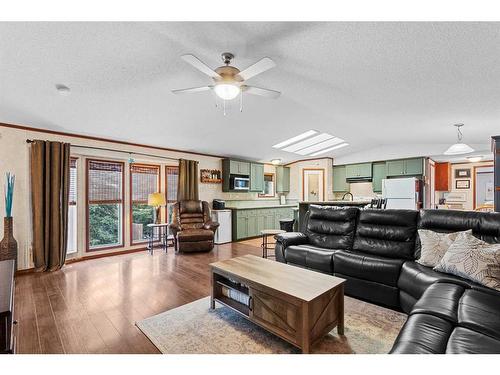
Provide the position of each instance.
(162, 235)
(266, 245)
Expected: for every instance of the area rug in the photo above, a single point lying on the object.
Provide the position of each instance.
(195, 329)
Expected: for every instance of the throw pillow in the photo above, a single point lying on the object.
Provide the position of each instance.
(473, 259)
(433, 246)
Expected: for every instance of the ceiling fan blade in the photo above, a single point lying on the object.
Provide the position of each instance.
(259, 67)
(200, 65)
(261, 92)
(192, 90)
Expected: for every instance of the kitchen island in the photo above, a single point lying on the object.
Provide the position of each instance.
(304, 207)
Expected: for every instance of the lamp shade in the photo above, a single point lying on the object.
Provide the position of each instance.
(156, 199)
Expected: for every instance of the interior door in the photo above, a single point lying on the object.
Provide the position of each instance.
(484, 187)
(313, 183)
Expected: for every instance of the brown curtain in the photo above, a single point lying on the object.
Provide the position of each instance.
(49, 203)
(187, 188)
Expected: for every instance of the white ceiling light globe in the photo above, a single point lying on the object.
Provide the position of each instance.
(459, 149)
(226, 91)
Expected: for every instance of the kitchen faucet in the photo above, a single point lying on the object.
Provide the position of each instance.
(348, 193)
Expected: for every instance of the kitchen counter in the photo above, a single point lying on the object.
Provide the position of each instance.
(262, 207)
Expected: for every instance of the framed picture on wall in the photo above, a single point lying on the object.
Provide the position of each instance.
(462, 184)
(462, 173)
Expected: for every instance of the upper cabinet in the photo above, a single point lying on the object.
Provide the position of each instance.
(358, 171)
(256, 177)
(379, 172)
(239, 167)
(442, 176)
(339, 180)
(282, 179)
(405, 167)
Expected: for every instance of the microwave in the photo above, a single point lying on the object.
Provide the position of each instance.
(237, 182)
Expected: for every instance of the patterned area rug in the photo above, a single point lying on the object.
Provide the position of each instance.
(195, 329)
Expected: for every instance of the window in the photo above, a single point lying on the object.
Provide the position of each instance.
(268, 185)
(104, 204)
(171, 180)
(72, 208)
(144, 180)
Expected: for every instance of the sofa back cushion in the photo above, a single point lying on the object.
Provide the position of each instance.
(331, 227)
(484, 225)
(388, 233)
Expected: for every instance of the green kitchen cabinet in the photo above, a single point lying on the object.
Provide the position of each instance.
(240, 226)
(256, 177)
(414, 166)
(379, 172)
(339, 182)
(405, 167)
(239, 167)
(362, 170)
(282, 179)
(249, 222)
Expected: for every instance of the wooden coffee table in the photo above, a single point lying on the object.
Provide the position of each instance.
(296, 304)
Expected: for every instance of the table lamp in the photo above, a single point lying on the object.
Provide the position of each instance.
(156, 200)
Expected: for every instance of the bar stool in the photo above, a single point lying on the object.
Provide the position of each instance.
(266, 245)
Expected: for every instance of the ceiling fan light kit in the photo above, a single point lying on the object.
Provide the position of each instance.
(228, 80)
(459, 148)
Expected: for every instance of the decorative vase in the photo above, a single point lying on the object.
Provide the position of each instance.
(8, 245)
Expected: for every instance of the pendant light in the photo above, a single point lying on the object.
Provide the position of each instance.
(459, 148)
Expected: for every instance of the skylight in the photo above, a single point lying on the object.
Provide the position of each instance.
(311, 143)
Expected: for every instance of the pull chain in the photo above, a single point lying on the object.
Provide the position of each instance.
(241, 101)
(224, 107)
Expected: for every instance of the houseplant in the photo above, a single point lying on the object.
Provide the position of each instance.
(8, 245)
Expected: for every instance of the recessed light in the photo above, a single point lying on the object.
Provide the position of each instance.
(307, 142)
(63, 89)
(330, 149)
(321, 146)
(297, 138)
(474, 159)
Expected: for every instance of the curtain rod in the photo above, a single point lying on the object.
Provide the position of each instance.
(114, 150)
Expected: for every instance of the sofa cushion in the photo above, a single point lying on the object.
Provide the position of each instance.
(388, 233)
(484, 225)
(423, 334)
(368, 267)
(466, 320)
(309, 256)
(433, 246)
(331, 228)
(473, 259)
(415, 279)
(193, 235)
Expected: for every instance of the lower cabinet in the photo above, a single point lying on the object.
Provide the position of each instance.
(249, 222)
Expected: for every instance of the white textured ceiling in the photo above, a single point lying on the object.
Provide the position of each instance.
(380, 86)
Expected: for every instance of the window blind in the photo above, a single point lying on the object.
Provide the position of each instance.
(172, 177)
(72, 182)
(145, 180)
(105, 182)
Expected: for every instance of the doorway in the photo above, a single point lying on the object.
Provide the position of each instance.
(484, 189)
(313, 185)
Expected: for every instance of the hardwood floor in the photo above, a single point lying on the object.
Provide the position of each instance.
(92, 306)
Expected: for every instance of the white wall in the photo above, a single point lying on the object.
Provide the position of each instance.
(296, 170)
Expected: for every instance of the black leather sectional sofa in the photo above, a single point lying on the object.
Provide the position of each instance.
(375, 251)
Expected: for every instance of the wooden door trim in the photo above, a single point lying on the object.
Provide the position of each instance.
(303, 179)
(474, 181)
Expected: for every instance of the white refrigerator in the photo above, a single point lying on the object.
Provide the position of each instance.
(402, 193)
(223, 233)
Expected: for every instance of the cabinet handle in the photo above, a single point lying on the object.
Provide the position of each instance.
(250, 303)
(14, 322)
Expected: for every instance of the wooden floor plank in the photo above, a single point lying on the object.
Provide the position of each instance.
(92, 306)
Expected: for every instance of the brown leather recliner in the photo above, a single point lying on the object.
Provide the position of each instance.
(192, 226)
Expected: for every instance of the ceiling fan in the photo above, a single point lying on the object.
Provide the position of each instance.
(228, 80)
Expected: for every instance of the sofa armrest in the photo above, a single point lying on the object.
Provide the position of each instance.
(291, 238)
(211, 225)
